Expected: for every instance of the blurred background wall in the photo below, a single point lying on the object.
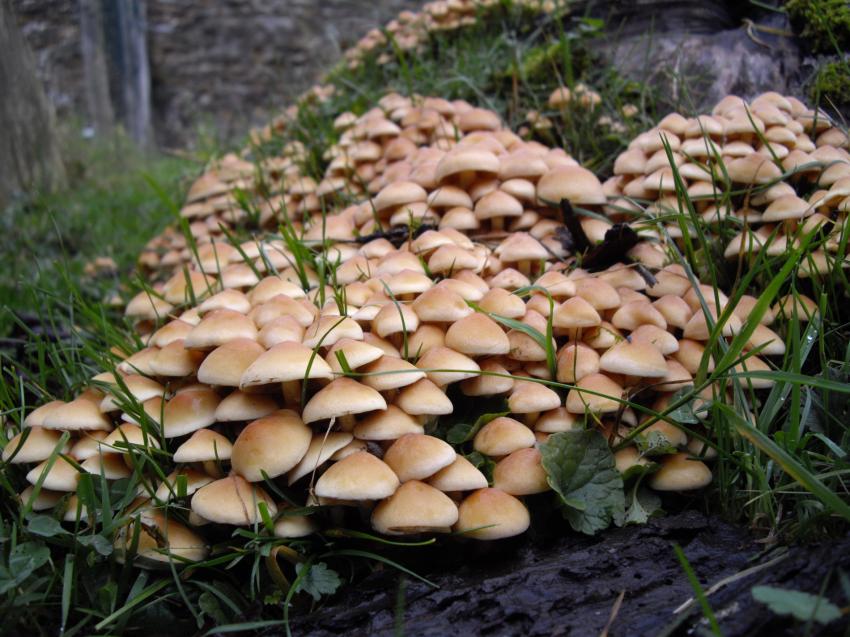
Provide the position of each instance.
(162, 67)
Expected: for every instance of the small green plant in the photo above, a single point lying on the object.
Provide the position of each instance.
(831, 85)
(823, 24)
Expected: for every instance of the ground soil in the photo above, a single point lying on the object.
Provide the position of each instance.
(568, 584)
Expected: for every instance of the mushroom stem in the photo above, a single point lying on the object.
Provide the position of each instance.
(346, 422)
(212, 468)
(531, 417)
(497, 224)
(292, 393)
(524, 266)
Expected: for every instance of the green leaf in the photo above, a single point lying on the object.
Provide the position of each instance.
(211, 608)
(318, 580)
(464, 432)
(684, 413)
(654, 443)
(580, 468)
(97, 542)
(641, 504)
(800, 605)
(45, 526)
(23, 560)
(483, 463)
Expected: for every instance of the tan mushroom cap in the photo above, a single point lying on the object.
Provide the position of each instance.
(415, 507)
(389, 372)
(399, 193)
(555, 420)
(629, 457)
(173, 360)
(225, 365)
(477, 335)
(634, 359)
(33, 444)
(417, 456)
(521, 473)
(424, 398)
(36, 417)
(360, 476)
(342, 397)
(219, 327)
(239, 405)
(62, 476)
(787, 207)
(45, 500)
(109, 465)
(194, 480)
(752, 169)
(77, 415)
(491, 514)
(87, 445)
(271, 445)
(127, 435)
(388, 424)
(467, 160)
(232, 500)
(444, 366)
(679, 472)
(606, 399)
(172, 540)
(287, 361)
(294, 526)
(460, 475)
(355, 353)
(529, 397)
(495, 379)
(322, 448)
(503, 436)
(574, 183)
(575, 312)
(203, 445)
(441, 305)
(189, 411)
(138, 387)
(575, 361)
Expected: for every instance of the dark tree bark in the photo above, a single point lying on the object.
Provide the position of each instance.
(95, 69)
(29, 151)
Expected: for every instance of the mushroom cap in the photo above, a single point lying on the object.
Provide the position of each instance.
(418, 456)
(574, 183)
(521, 473)
(194, 480)
(287, 361)
(530, 397)
(219, 327)
(634, 359)
(87, 445)
(424, 398)
(203, 445)
(139, 388)
(496, 380)
(189, 411)
(239, 405)
(293, 526)
(441, 305)
(36, 417)
(173, 360)
(466, 160)
(502, 436)
(360, 476)
(575, 361)
(170, 540)
(232, 500)
(491, 514)
(78, 415)
(356, 354)
(787, 207)
(342, 397)
(62, 476)
(477, 335)
(389, 372)
(752, 169)
(574, 313)
(127, 435)
(322, 448)
(460, 475)
(444, 365)
(415, 507)
(679, 472)
(272, 445)
(399, 193)
(389, 424)
(607, 390)
(44, 501)
(225, 365)
(33, 444)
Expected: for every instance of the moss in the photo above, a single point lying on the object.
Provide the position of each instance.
(823, 24)
(832, 84)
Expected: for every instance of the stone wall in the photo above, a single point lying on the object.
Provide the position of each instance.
(228, 63)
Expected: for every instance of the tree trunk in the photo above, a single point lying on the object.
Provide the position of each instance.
(29, 151)
(95, 70)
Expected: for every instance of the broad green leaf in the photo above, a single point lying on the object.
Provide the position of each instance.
(654, 443)
(45, 526)
(97, 542)
(580, 468)
(800, 605)
(641, 504)
(318, 580)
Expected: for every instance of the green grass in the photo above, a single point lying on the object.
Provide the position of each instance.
(782, 465)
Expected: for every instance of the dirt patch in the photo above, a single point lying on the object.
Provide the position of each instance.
(566, 584)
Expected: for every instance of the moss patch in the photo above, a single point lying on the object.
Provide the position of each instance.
(823, 24)
(832, 85)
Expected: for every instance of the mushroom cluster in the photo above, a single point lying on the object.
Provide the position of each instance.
(410, 29)
(763, 173)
